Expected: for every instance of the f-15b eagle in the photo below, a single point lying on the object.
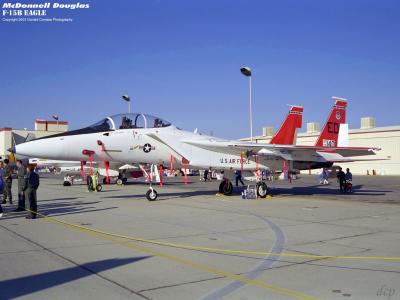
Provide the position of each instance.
(145, 139)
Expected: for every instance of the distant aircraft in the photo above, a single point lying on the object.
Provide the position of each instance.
(144, 139)
(117, 171)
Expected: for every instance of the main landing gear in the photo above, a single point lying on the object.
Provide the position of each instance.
(226, 188)
(121, 181)
(262, 189)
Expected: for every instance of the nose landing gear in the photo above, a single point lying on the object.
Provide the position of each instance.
(151, 194)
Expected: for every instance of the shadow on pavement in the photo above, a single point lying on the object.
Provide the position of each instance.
(22, 286)
(180, 194)
(57, 209)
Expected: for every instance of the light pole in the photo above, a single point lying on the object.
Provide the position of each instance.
(246, 71)
(127, 99)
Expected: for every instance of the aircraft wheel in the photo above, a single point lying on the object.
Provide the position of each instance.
(151, 195)
(99, 187)
(226, 187)
(262, 190)
(119, 181)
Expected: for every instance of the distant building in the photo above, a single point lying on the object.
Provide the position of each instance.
(386, 162)
(10, 137)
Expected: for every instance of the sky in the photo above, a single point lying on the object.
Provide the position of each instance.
(181, 60)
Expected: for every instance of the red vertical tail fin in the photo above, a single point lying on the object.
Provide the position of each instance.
(329, 134)
(287, 133)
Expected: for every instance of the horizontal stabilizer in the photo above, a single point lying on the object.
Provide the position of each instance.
(128, 167)
(111, 173)
(331, 156)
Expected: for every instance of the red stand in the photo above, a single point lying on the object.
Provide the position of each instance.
(103, 150)
(285, 170)
(107, 171)
(91, 164)
(257, 167)
(186, 178)
(161, 175)
(83, 175)
(89, 153)
(241, 161)
(171, 165)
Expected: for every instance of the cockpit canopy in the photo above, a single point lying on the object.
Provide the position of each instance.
(129, 121)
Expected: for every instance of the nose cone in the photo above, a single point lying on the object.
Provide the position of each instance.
(43, 148)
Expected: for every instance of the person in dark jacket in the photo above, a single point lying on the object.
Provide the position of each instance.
(7, 182)
(341, 176)
(31, 185)
(349, 176)
(205, 175)
(21, 181)
(1, 187)
(238, 176)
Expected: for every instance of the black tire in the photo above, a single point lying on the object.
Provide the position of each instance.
(226, 188)
(99, 187)
(262, 190)
(119, 181)
(151, 195)
(67, 183)
(124, 180)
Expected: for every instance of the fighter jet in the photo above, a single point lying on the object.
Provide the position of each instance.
(145, 139)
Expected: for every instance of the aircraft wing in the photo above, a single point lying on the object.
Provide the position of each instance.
(288, 152)
(223, 146)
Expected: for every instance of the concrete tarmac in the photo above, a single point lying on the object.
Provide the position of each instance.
(47, 259)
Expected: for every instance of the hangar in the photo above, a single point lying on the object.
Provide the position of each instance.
(10, 136)
(386, 162)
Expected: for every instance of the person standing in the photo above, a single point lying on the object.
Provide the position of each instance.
(321, 177)
(238, 175)
(7, 182)
(325, 176)
(1, 187)
(342, 179)
(349, 176)
(21, 181)
(31, 185)
(205, 175)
